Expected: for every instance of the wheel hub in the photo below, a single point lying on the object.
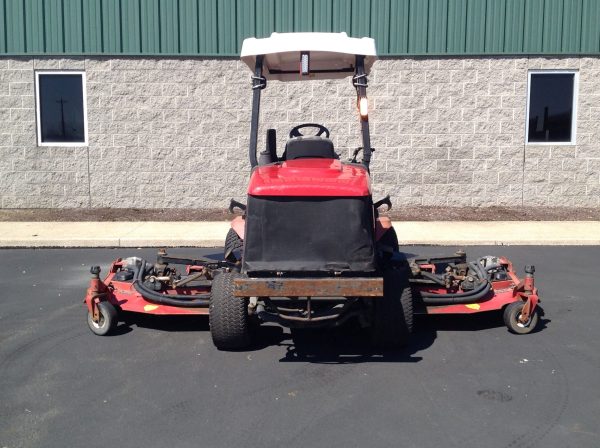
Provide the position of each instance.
(522, 324)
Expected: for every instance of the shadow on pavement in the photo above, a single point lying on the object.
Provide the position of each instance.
(470, 322)
(460, 322)
(350, 345)
(344, 345)
(163, 323)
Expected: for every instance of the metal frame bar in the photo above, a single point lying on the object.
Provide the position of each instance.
(292, 72)
(360, 82)
(258, 83)
(309, 287)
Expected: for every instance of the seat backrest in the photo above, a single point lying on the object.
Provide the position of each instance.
(309, 147)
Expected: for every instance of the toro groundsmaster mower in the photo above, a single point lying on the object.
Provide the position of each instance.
(311, 249)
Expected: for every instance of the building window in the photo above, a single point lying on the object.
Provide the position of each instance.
(552, 107)
(61, 108)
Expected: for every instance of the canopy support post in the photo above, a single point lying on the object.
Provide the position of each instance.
(259, 82)
(360, 82)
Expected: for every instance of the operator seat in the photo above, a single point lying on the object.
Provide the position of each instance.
(309, 147)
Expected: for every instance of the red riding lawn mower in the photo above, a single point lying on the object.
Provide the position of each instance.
(311, 249)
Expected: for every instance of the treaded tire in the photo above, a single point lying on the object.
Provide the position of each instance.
(386, 246)
(233, 242)
(228, 317)
(511, 319)
(108, 319)
(393, 313)
(390, 239)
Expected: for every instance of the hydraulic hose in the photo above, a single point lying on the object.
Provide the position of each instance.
(483, 276)
(477, 267)
(188, 301)
(461, 297)
(453, 299)
(477, 290)
(433, 277)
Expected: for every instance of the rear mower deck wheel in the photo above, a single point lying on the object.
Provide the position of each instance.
(393, 313)
(511, 319)
(228, 317)
(108, 319)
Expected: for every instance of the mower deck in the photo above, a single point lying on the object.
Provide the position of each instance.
(505, 292)
(126, 298)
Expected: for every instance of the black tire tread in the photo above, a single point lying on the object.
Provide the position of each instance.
(386, 246)
(393, 313)
(232, 243)
(228, 317)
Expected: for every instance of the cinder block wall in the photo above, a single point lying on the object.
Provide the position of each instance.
(174, 133)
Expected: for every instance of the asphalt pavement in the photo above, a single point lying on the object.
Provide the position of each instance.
(463, 382)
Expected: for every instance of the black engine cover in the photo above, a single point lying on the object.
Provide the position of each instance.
(309, 234)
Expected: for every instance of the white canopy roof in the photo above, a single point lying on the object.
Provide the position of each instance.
(328, 51)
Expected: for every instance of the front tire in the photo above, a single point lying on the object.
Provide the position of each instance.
(387, 246)
(511, 319)
(393, 313)
(108, 319)
(233, 243)
(228, 317)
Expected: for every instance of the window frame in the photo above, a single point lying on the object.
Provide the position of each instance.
(575, 74)
(38, 108)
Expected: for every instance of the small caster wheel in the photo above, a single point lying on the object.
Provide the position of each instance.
(107, 322)
(511, 319)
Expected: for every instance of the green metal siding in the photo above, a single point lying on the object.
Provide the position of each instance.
(475, 39)
(217, 27)
(514, 26)
(571, 36)
(590, 26)
(457, 25)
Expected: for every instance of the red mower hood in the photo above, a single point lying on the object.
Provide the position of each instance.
(310, 177)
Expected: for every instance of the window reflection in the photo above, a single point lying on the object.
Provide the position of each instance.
(61, 108)
(551, 107)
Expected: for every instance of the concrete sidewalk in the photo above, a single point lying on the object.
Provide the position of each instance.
(212, 234)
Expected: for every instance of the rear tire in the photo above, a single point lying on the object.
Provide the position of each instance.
(393, 313)
(228, 317)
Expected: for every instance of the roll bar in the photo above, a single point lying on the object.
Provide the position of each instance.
(259, 82)
(359, 80)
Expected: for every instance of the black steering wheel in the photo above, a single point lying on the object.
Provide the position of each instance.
(295, 132)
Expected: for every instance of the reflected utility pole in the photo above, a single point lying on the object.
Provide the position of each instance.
(62, 114)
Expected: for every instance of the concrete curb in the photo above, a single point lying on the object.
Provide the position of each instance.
(112, 234)
(212, 234)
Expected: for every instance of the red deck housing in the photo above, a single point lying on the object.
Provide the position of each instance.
(123, 295)
(310, 177)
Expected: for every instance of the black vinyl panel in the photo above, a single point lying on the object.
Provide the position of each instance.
(317, 234)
